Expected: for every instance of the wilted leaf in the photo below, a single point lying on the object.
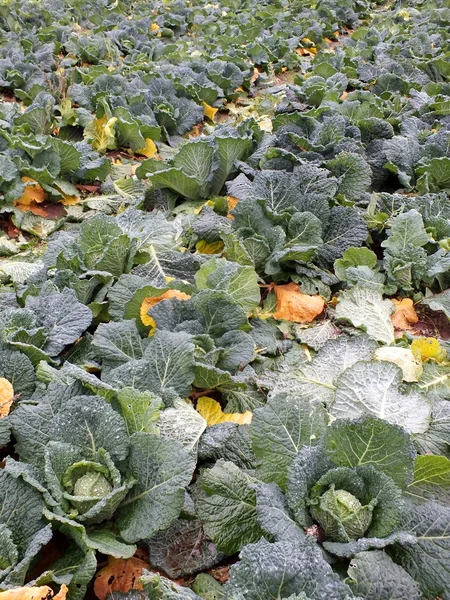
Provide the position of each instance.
(70, 200)
(34, 593)
(428, 348)
(33, 194)
(232, 203)
(404, 315)
(101, 133)
(403, 358)
(212, 412)
(294, 305)
(149, 302)
(209, 247)
(119, 575)
(210, 111)
(6, 396)
(149, 150)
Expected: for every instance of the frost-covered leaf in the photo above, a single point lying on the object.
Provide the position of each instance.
(366, 309)
(229, 441)
(436, 440)
(404, 358)
(349, 549)
(318, 378)
(168, 363)
(317, 335)
(62, 316)
(406, 229)
(373, 388)
(439, 302)
(183, 424)
(118, 342)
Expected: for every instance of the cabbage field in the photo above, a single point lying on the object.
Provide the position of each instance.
(224, 300)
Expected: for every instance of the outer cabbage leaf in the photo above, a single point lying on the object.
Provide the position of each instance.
(23, 531)
(227, 506)
(278, 431)
(431, 480)
(370, 440)
(373, 387)
(168, 363)
(366, 309)
(281, 570)
(374, 575)
(427, 560)
(162, 469)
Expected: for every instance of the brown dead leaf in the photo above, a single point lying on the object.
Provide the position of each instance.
(6, 397)
(119, 575)
(35, 593)
(91, 189)
(220, 574)
(293, 305)
(404, 314)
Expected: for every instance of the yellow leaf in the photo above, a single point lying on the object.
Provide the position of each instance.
(210, 111)
(213, 414)
(6, 397)
(149, 150)
(34, 593)
(232, 202)
(154, 27)
(266, 124)
(306, 40)
(33, 193)
(209, 247)
(70, 200)
(306, 51)
(101, 132)
(404, 315)
(409, 363)
(294, 305)
(151, 301)
(428, 349)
